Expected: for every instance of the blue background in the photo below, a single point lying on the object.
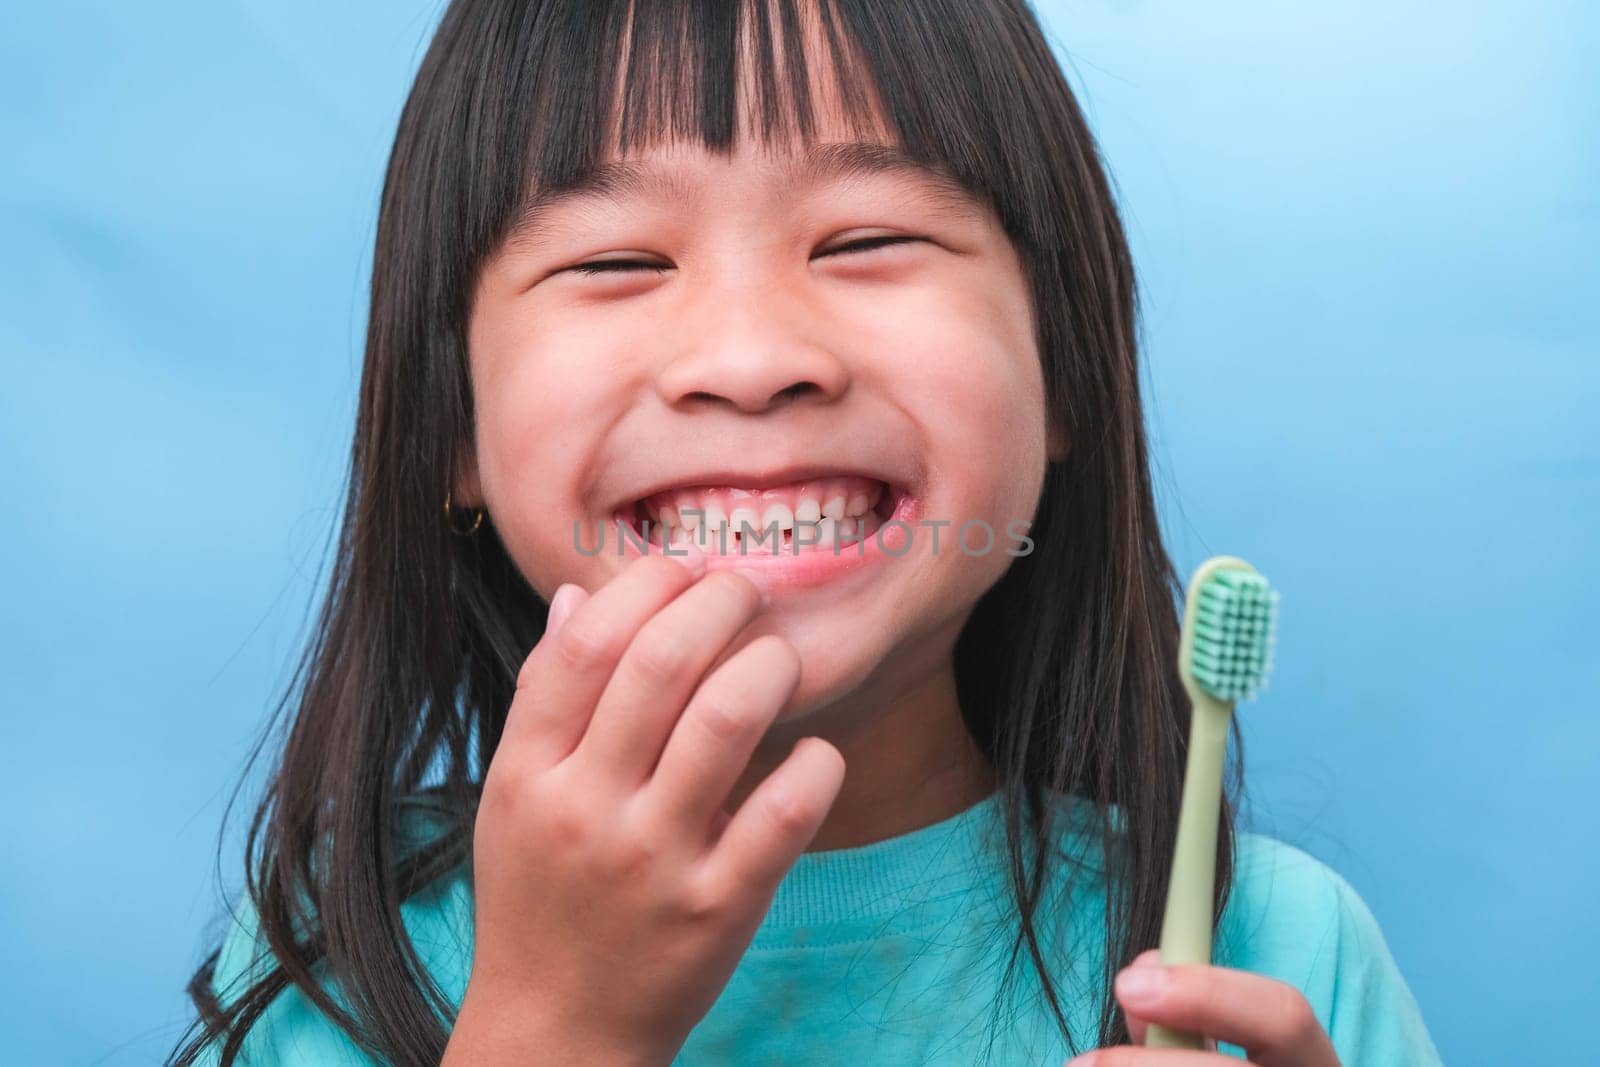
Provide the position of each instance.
(1367, 240)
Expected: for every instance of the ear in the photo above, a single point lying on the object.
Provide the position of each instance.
(465, 490)
(1056, 444)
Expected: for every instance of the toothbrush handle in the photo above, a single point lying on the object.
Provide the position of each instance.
(1186, 926)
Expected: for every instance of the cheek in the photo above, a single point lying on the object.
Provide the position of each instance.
(981, 396)
(532, 439)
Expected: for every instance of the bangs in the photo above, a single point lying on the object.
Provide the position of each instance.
(601, 79)
(690, 71)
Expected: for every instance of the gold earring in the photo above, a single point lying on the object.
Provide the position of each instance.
(450, 520)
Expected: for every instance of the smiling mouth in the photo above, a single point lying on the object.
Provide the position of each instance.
(817, 513)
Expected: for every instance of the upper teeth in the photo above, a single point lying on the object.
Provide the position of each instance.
(690, 507)
(808, 510)
(833, 506)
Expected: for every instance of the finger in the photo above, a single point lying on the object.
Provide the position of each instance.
(567, 597)
(1137, 1024)
(661, 670)
(1270, 1019)
(1129, 1056)
(568, 669)
(778, 819)
(711, 743)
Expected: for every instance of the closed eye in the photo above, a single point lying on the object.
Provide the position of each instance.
(629, 266)
(870, 243)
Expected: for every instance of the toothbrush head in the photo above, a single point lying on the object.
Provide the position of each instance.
(1229, 629)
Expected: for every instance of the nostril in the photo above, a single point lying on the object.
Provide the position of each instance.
(786, 395)
(795, 392)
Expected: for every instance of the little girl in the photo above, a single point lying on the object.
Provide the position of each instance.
(751, 640)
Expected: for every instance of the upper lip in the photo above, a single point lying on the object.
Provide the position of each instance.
(764, 478)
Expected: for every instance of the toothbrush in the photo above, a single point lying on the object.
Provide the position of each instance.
(1224, 655)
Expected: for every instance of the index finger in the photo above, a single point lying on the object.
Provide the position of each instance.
(563, 677)
(1269, 1019)
(1138, 1025)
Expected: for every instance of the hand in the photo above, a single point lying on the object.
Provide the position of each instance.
(614, 896)
(1270, 1020)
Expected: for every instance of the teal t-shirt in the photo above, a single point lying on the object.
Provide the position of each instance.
(892, 954)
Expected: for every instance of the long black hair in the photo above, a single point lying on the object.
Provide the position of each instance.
(1066, 670)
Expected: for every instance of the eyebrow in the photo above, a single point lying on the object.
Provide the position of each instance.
(618, 180)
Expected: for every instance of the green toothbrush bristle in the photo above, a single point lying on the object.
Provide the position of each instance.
(1235, 626)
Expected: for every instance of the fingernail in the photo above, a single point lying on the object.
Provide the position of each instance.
(561, 605)
(1142, 983)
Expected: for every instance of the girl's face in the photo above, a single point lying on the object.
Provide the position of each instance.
(703, 336)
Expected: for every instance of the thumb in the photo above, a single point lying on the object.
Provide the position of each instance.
(1138, 1024)
(562, 604)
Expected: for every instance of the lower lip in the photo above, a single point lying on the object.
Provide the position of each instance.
(788, 568)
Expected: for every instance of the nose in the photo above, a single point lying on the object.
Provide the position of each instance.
(751, 369)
